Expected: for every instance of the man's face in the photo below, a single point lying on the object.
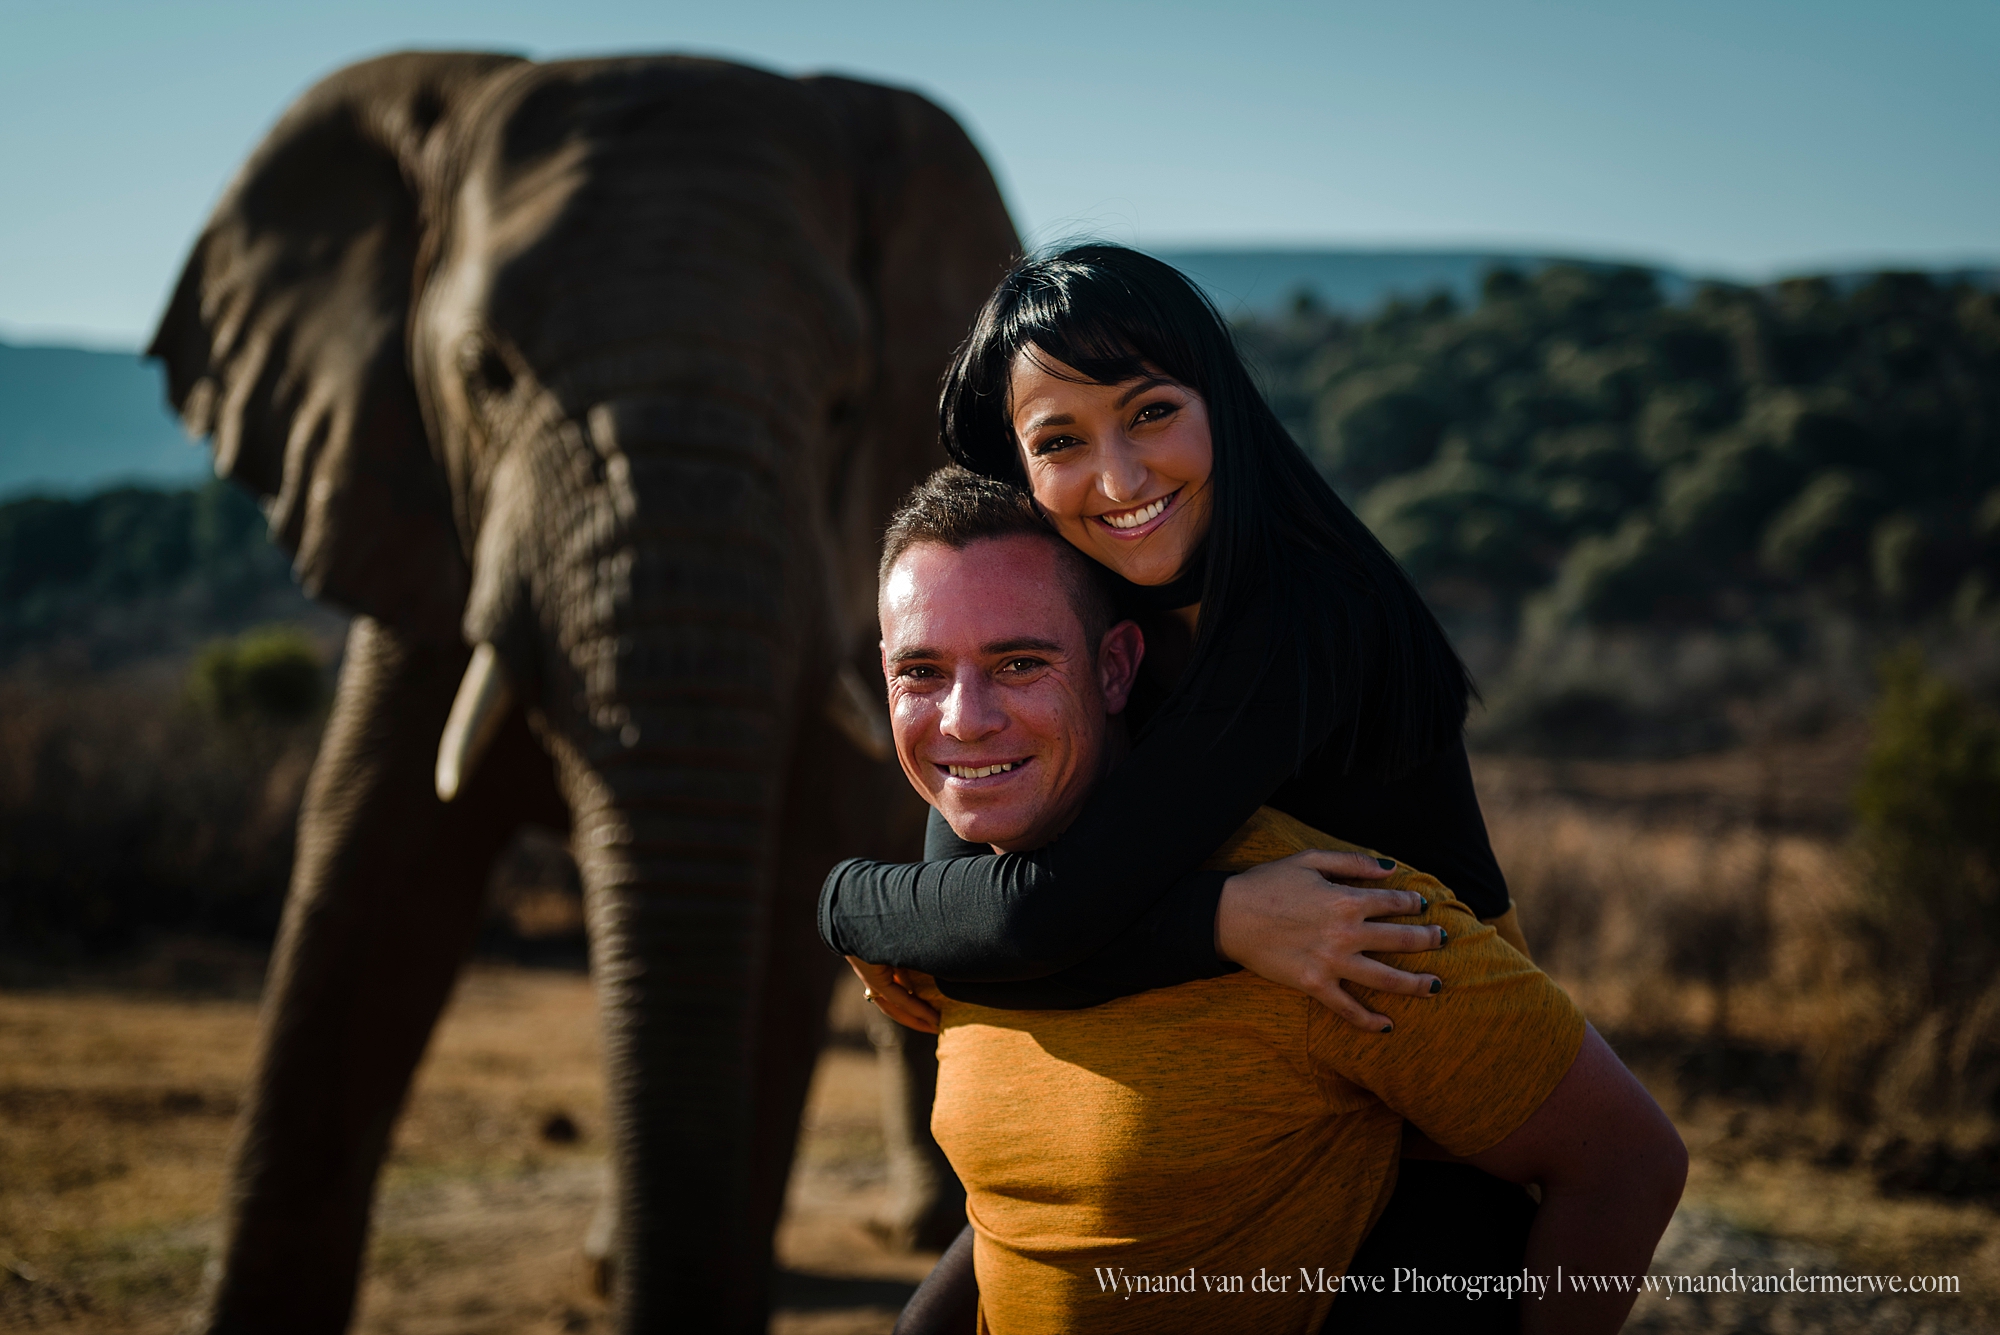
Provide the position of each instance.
(1001, 708)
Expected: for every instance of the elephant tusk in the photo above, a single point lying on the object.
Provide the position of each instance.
(483, 699)
(859, 714)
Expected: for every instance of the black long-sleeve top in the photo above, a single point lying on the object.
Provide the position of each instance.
(1117, 905)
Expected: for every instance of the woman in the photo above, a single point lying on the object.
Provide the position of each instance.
(1303, 672)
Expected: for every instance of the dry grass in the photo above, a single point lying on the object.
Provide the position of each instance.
(1708, 900)
(1728, 932)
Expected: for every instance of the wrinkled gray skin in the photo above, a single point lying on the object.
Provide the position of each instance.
(616, 366)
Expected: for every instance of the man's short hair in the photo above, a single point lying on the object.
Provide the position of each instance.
(956, 507)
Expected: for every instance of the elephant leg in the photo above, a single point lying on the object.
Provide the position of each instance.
(383, 905)
(926, 1207)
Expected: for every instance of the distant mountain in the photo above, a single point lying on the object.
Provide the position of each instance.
(1988, 277)
(1358, 282)
(74, 421)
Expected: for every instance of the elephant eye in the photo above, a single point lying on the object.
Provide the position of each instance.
(493, 369)
(481, 363)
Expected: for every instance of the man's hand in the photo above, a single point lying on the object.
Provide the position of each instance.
(883, 986)
(1292, 922)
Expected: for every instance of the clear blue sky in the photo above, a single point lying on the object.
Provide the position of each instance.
(1743, 139)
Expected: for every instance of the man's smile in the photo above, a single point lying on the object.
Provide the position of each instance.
(965, 774)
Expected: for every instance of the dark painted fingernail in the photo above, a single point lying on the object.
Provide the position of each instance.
(1423, 905)
(1386, 864)
(1387, 1027)
(1443, 936)
(1437, 986)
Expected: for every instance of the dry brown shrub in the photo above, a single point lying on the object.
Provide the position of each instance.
(123, 808)
(1743, 954)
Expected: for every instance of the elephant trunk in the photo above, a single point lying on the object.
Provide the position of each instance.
(675, 830)
(674, 922)
(668, 604)
(675, 819)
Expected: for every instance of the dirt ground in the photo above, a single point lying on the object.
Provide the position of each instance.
(115, 1112)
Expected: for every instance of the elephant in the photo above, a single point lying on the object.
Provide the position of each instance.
(586, 387)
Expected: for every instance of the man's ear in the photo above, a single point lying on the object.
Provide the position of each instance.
(1119, 654)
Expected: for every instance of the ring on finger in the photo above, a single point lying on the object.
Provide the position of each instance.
(868, 994)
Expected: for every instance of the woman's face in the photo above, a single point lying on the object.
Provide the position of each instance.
(1121, 470)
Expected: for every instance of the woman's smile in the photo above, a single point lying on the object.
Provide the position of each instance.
(1138, 521)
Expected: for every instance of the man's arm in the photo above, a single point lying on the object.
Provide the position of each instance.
(1610, 1166)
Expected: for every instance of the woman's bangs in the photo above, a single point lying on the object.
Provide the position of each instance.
(1065, 318)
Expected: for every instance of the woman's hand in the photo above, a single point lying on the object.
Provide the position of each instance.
(1290, 921)
(883, 986)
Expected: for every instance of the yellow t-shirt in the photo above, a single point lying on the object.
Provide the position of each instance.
(1192, 1158)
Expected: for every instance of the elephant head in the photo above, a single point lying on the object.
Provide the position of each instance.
(599, 377)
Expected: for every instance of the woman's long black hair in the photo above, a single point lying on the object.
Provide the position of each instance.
(1356, 621)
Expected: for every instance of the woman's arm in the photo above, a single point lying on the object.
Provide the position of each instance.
(1279, 922)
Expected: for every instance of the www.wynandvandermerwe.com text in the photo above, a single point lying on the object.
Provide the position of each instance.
(1521, 1284)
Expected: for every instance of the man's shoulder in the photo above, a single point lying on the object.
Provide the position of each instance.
(1270, 834)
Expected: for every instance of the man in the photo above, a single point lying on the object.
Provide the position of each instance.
(1210, 1156)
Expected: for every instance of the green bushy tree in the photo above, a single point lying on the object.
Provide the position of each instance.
(1928, 809)
(266, 676)
(1809, 441)
(76, 568)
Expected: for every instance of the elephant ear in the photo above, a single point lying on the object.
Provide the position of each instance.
(934, 240)
(287, 339)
